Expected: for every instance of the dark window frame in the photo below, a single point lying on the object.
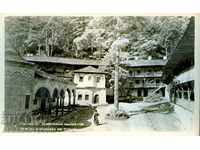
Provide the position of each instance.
(98, 79)
(27, 101)
(80, 78)
(87, 97)
(80, 97)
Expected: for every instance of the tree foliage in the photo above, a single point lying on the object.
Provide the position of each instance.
(92, 37)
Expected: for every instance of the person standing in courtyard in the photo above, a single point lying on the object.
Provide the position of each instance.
(96, 118)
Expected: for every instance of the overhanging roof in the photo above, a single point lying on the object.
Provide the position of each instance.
(144, 63)
(62, 60)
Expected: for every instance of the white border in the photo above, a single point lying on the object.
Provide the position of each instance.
(96, 7)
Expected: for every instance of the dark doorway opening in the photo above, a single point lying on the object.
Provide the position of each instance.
(96, 99)
(145, 92)
(43, 95)
(139, 92)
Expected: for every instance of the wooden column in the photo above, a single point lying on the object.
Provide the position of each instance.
(196, 118)
(182, 94)
(189, 94)
(57, 103)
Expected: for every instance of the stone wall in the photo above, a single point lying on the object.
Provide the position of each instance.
(19, 79)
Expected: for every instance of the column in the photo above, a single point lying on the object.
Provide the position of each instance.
(182, 94)
(189, 94)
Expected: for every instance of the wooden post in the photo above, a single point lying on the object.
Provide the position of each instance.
(62, 106)
(189, 93)
(196, 118)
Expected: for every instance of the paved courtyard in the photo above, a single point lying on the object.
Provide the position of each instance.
(177, 122)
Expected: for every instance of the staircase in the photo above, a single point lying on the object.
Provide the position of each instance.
(154, 97)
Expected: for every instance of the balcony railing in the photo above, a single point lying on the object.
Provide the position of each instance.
(146, 85)
(146, 74)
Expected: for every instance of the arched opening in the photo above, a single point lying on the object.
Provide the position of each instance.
(43, 96)
(67, 100)
(74, 96)
(96, 99)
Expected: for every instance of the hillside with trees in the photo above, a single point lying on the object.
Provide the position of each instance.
(92, 37)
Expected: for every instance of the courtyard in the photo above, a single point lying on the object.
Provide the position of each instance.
(152, 122)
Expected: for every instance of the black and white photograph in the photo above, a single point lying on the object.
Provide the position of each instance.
(99, 74)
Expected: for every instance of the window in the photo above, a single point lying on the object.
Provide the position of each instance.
(81, 78)
(139, 93)
(79, 97)
(157, 81)
(98, 79)
(28, 97)
(35, 101)
(89, 78)
(145, 92)
(86, 97)
(130, 73)
(138, 71)
(137, 81)
(131, 84)
(192, 96)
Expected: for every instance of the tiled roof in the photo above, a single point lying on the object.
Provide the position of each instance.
(144, 63)
(53, 77)
(62, 60)
(89, 69)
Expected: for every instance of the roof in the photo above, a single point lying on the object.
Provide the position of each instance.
(144, 63)
(181, 58)
(12, 56)
(62, 60)
(89, 69)
(53, 77)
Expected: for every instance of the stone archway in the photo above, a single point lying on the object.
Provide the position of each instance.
(43, 95)
(67, 100)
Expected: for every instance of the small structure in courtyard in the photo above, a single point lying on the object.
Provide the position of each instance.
(90, 87)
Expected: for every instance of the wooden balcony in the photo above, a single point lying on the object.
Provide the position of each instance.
(146, 85)
(146, 74)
